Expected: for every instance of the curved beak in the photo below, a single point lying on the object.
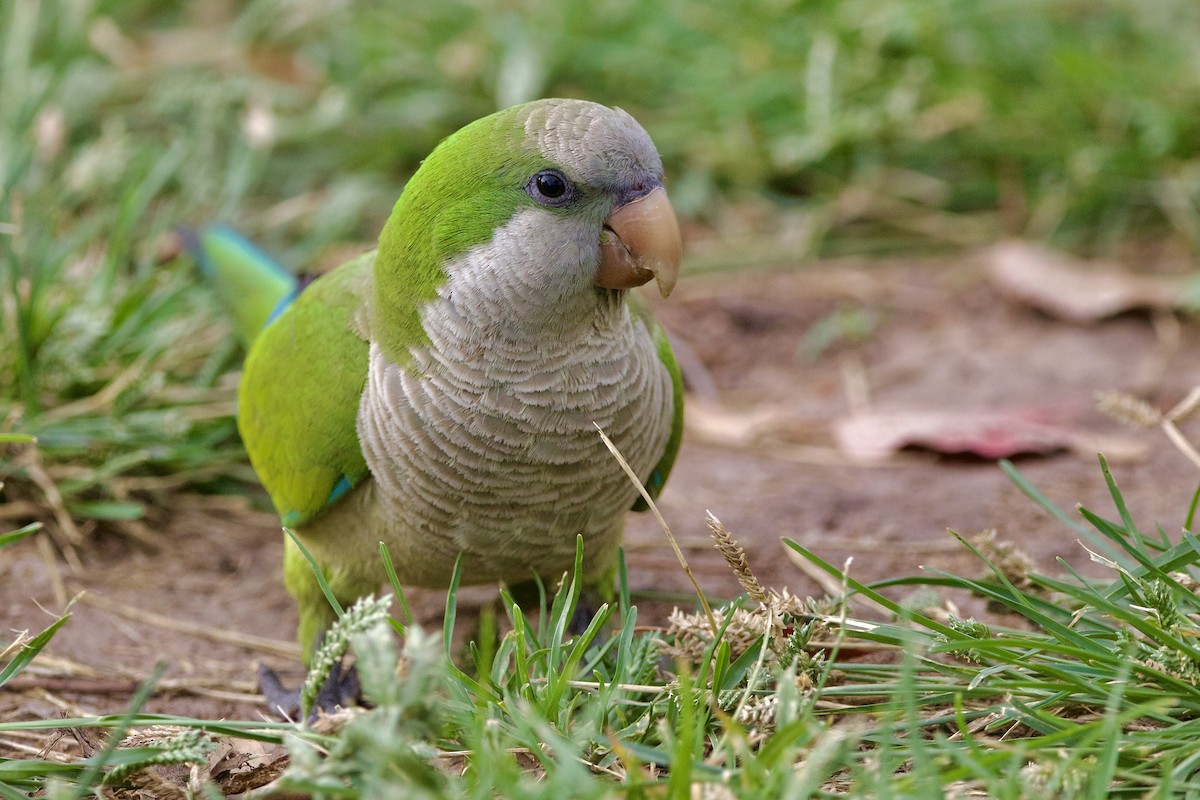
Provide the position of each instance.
(641, 241)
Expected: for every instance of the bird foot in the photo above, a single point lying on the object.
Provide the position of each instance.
(585, 611)
(341, 689)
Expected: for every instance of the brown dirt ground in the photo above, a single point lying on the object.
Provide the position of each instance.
(762, 460)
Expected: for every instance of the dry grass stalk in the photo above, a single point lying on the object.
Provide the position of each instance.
(1014, 563)
(1186, 407)
(735, 557)
(687, 570)
(46, 553)
(1134, 411)
(16, 646)
(67, 533)
(1183, 410)
(690, 635)
(1128, 409)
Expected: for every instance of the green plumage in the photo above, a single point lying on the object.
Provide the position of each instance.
(300, 391)
(303, 394)
(455, 201)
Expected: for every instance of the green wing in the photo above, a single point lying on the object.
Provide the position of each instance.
(300, 392)
(658, 477)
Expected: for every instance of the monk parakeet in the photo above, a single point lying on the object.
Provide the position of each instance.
(441, 393)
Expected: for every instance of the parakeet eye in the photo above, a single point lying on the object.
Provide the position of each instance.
(550, 188)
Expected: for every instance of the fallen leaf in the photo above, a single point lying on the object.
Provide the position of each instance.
(1074, 289)
(741, 427)
(988, 433)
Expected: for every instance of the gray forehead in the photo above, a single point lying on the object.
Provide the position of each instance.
(603, 145)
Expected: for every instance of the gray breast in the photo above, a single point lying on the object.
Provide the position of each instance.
(486, 444)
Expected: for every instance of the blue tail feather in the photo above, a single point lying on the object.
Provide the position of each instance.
(252, 286)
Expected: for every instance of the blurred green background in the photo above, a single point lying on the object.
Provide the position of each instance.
(790, 131)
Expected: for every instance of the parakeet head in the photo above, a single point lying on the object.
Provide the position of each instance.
(564, 197)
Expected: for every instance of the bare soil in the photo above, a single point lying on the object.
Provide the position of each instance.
(759, 453)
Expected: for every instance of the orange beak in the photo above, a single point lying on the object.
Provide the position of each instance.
(641, 241)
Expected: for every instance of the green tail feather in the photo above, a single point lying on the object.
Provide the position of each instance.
(253, 288)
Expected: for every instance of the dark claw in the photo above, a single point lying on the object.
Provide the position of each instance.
(341, 689)
(585, 611)
(284, 702)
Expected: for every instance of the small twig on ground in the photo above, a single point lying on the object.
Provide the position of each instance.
(259, 644)
(1137, 412)
(1184, 409)
(49, 558)
(69, 536)
(20, 509)
(125, 686)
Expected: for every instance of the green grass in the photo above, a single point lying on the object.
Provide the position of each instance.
(1092, 691)
(789, 131)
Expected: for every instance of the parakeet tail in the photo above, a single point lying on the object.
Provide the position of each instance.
(252, 286)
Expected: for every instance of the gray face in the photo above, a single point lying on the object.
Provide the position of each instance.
(600, 146)
(543, 261)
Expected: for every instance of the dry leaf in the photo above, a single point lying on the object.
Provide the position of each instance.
(720, 424)
(987, 433)
(1073, 289)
